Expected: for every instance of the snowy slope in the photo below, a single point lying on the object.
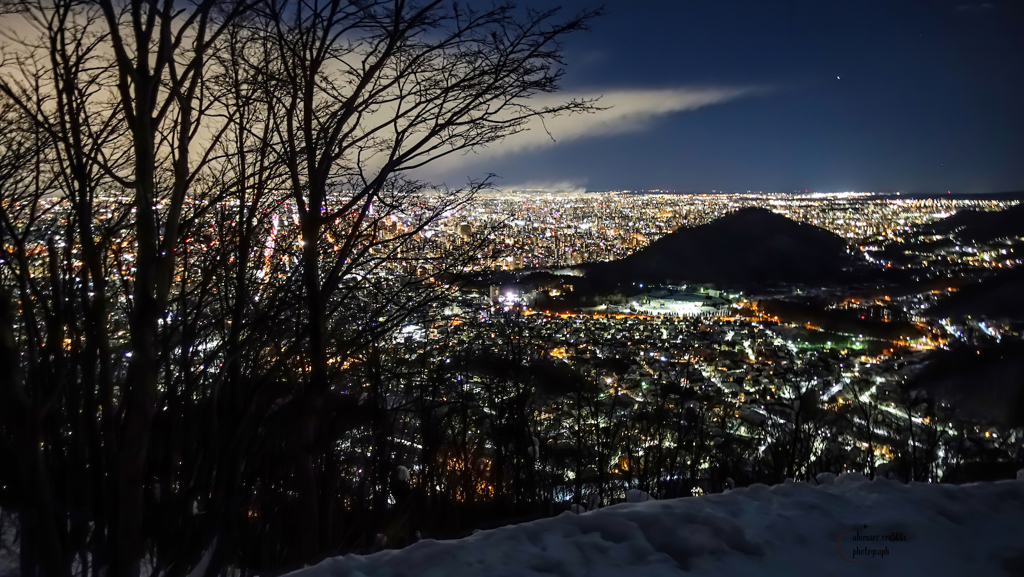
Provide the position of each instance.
(794, 529)
(9, 563)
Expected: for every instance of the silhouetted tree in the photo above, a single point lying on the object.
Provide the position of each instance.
(164, 315)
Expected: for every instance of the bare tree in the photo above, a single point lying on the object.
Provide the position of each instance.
(167, 314)
(368, 92)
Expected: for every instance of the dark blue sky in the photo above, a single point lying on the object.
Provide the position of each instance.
(929, 97)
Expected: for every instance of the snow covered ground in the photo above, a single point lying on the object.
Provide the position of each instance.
(8, 545)
(794, 529)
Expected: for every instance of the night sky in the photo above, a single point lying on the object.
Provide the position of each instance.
(824, 95)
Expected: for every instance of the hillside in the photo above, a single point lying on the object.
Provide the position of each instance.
(984, 383)
(748, 246)
(794, 529)
(981, 226)
(995, 297)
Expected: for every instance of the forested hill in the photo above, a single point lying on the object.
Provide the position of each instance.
(751, 245)
(981, 226)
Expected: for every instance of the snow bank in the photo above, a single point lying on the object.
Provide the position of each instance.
(793, 529)
(9, 562)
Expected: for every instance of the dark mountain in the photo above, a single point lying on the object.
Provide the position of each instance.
(995, 297)
(748, 246)
(981, 226)
(984, 384)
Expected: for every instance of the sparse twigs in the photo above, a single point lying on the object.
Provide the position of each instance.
(210, 213)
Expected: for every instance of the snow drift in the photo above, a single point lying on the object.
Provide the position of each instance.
(845, 526)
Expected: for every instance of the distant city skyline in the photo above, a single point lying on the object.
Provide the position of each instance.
(736, 96)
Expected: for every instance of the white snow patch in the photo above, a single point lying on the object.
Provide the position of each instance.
(9, 562)
(637, 496)
(826, 478)
(851, 478)
(792, 529)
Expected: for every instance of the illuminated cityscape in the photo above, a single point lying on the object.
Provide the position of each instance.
(757, 356)
(749, 351)
(564, 229)
(378, 288)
